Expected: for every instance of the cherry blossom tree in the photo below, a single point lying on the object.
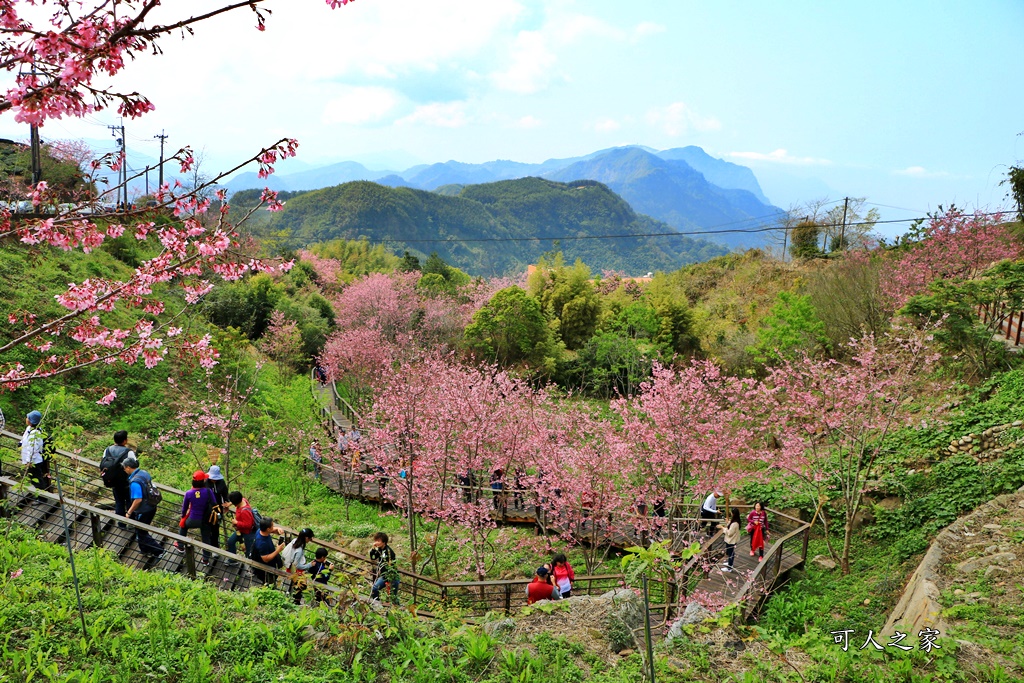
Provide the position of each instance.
(579, 481)
(438, 420)
(691, 432)
(282, 341)
(951, 246)
(832, 421)
(64, 58)
(218, 423)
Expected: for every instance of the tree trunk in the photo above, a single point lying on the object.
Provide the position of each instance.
(847, 538)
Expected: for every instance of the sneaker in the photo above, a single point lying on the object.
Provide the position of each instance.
(751, 553)
(726, 568)
(179, 548)
(760, 558)
(231, 563)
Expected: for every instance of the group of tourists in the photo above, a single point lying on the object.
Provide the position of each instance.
(757, 527)
(203, 509)
(551, 581)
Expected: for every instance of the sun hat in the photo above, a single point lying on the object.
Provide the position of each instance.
(215, 473)
(34, 418)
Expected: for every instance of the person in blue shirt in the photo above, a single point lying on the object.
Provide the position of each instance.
(265, 551)
(141, 510)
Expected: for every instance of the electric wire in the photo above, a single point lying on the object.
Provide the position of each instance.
(710, 230)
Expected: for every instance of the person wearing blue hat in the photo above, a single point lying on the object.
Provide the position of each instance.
(32, 455)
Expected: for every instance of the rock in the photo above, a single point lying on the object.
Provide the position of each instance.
(867, 601)
(864, 516)
(1015, 423)
(823, 561)
(993, 569)
(958, 591)
(890, 503)
(991, 527)
(499, 627)
(694, 614)
(628, 651)
(624, 616)
(676, 631)
(991, 549)
(974, 564)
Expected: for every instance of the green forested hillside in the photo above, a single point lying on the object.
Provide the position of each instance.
(525, 208)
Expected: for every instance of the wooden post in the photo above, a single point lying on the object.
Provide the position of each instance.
(803, 552)
(508, 598)
(3, 494)
(190, 561)
(97, 534)
(778, 565)
(1020, 323)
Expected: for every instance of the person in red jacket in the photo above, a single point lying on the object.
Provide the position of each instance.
(562, 573)
(540, 588)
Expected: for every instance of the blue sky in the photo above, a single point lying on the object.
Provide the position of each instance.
(911, 104)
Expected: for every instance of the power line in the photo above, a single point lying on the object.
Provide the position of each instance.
(712, 230)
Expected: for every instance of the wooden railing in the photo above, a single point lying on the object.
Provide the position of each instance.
(1004, 321)
(85, 493)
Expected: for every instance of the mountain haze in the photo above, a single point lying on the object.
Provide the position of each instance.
(518, 221)
(684, 187)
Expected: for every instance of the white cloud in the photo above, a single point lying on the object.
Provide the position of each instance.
(533, 55)
(645, 29)
(531, 67)
(527, 122)
(780, 156)
(606, 125)
(361, 105)
(438, 114)
(678, 118)
(921, 172)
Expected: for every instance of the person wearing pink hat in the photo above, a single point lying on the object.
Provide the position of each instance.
(197, 512)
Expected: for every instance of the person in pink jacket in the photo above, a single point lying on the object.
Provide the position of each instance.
(562, 573)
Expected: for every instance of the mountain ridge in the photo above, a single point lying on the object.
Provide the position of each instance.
(493, 228)
(683, 187)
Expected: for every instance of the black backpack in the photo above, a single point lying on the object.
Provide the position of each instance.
(110, 466)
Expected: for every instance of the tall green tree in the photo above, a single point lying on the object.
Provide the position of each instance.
(568, 297)
(511, 329)
(791, 329)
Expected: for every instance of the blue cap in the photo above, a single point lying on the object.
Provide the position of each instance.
(35, 417)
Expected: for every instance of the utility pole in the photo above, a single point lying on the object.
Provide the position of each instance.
(842, 233)
(37, 156)
(147, 180)
(122, 176)
(161, 138)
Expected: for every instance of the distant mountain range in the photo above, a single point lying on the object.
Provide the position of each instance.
(684, 187)
(490, 229)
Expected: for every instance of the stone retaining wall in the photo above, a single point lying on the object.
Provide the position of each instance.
(919, 607)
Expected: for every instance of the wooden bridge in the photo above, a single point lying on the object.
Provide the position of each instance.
(751, 581)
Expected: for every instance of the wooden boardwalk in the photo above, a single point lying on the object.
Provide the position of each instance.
(750, 582)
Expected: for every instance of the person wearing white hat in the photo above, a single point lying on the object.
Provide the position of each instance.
(215, 481)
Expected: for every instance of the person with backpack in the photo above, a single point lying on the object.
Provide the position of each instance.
(294, 557)
(112, 471)
(383, 559)
(199, 510)
(247, 524)
(215, 482)
(265, 551)
(142, 508)
(320, 571)
(33, 452)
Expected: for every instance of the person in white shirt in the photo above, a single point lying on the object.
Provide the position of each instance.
(32, 452)
(709, 511)
(294, 557)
